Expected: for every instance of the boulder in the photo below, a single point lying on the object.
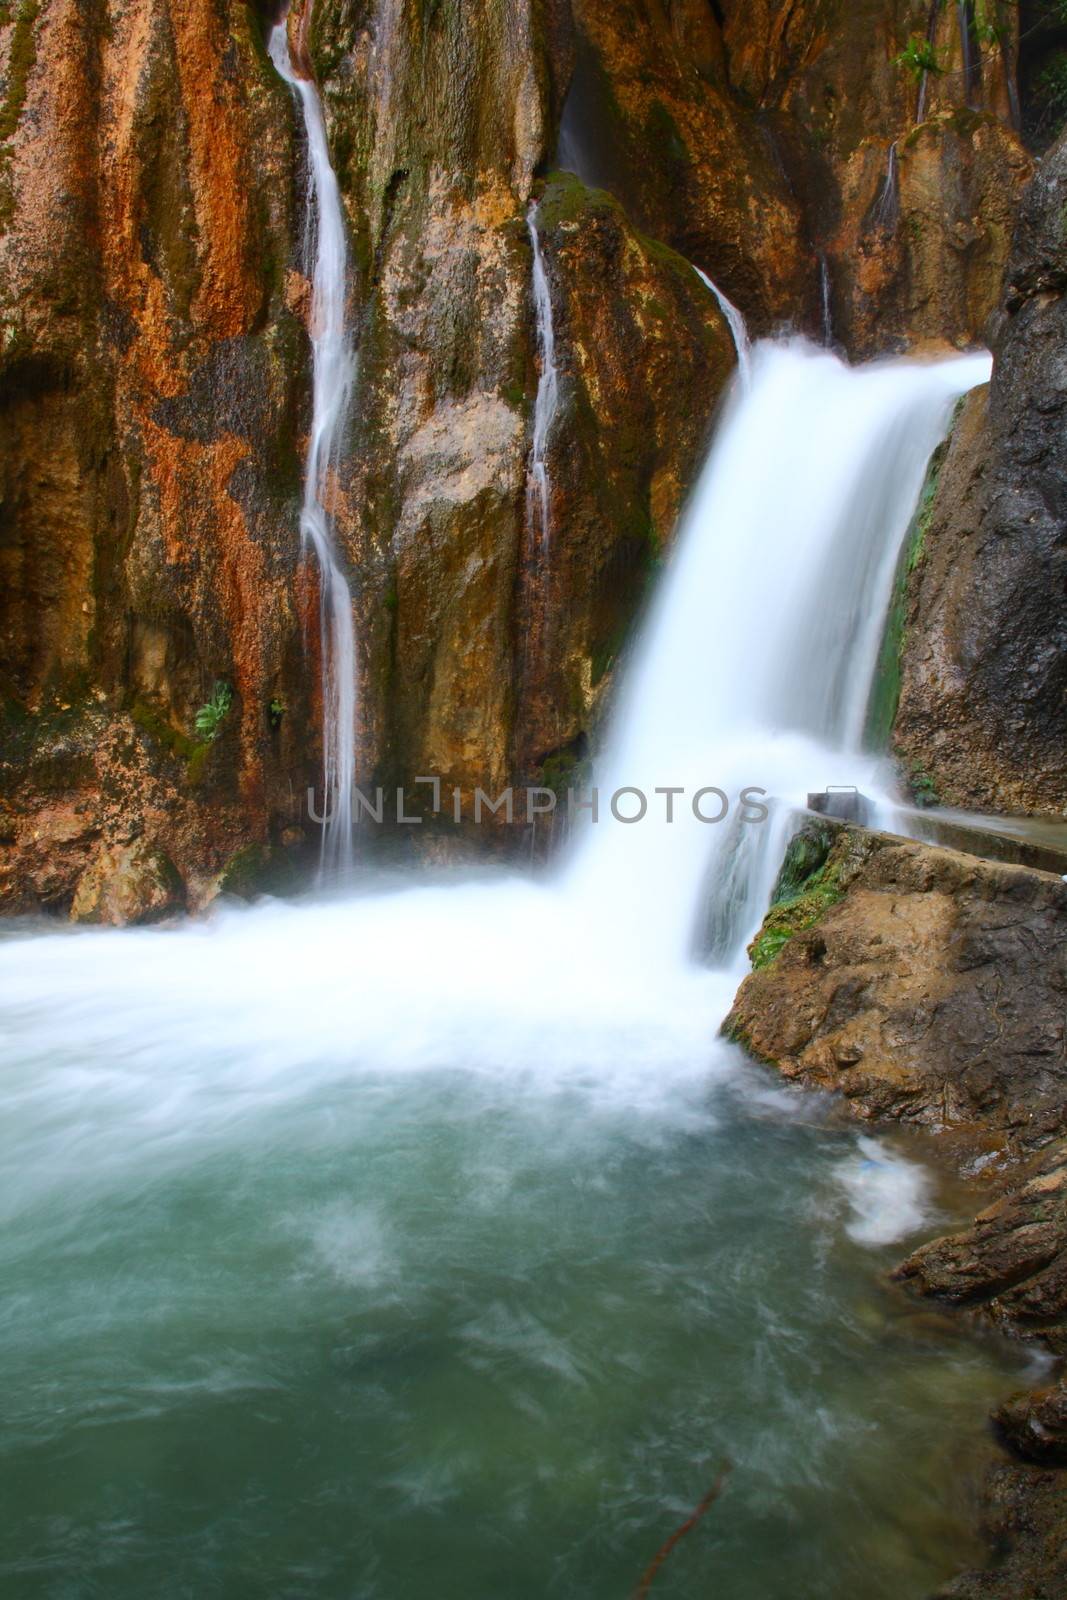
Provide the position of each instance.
(124, 883)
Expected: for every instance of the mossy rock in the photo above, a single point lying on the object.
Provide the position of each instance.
(258, 869)
(809, 883)
(20, 64)
(885, 690)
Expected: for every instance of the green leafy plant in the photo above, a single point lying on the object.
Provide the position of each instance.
(212, 714)
(923, 788)
(987, 29)
(918, 57)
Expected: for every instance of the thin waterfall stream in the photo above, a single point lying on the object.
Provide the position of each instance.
(333, 375)
(538, 500)
(425, 1239)
(735, 322)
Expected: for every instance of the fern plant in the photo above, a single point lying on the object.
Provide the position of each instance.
(212, 714)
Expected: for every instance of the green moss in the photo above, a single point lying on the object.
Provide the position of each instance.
(808, 885)
(805, 855)
(257, 869)
(20, 65)
(733, 1030)
(567, 200)
(885, 691)
(162, 732)
(192, 752)
(194, 767)
(244, 871)
(922, 787)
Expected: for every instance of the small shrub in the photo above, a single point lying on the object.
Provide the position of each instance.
(918, 57)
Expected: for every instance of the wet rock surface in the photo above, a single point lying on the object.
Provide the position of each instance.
(983, 705)
(907, 180)
(127, 883)
(930, 987)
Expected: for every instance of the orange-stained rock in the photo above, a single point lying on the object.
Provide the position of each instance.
(153, 381)
(651, 117)
(907, 183)
(127, 883)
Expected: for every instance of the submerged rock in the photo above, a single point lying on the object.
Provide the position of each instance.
(1011, 1264)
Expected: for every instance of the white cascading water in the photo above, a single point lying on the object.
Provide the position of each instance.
(755, 665)
(736, 323)
(887, 205)
(825, 299)
(547, 403)
(752, 670)
(333, 374)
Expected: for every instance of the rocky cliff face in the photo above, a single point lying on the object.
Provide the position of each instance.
(486, 645)
(907, 177)
(152, 383)
(983, 707)
(154, 366)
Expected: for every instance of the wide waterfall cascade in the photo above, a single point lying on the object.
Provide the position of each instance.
(426, 1236)
(755, 665)
(333, 374)
(547, 403)
(736, 323)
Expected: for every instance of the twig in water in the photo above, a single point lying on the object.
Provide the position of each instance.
(641, 1592)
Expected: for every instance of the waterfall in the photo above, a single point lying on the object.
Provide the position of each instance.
(735, 322)
(931, 38)
(755, 666)
(547, 402)
(751, 672)
(887, 205)
(333, 372)
(971, 55)
(824, 293)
